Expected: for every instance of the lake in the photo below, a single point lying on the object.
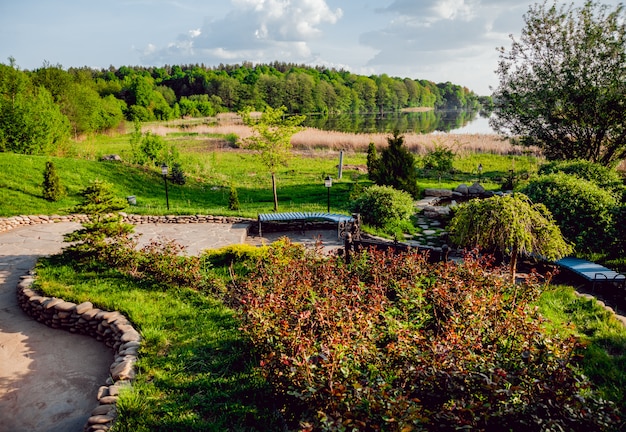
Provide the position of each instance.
(459, 122)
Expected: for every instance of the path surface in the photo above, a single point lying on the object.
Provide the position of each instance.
(49, 378)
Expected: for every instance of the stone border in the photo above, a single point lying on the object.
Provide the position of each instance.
(111, 328)
(8, 223)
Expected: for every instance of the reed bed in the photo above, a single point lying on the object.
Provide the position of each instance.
(316, 139)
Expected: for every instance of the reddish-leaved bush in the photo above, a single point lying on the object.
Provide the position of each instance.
(391, 342)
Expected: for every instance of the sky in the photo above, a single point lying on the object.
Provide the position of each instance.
(436, 40)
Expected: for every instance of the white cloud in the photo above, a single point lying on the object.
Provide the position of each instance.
(263, 30)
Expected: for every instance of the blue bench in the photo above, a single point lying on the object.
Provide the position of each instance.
(341, 220)
(591, 271)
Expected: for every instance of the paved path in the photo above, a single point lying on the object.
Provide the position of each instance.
(49, 378)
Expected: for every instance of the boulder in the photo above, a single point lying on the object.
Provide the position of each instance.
(476, 189)
(442, 193)
(462, 189)
(111, 157)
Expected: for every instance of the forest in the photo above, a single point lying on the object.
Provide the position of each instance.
(83, 100)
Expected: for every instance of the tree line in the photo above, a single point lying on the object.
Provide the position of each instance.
(76, 101)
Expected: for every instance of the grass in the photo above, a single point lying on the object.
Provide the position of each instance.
(195, 369)
(210, 173)
(603, 336)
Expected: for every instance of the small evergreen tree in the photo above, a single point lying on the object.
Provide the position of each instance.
(233, 199)
(396, 167)
(373, 162)
(178, 175)
(52, 188)
(99, 203)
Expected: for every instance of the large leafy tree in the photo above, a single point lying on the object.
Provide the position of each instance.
(511, 225)
(272, 139)
(563, 83)
(30, 121)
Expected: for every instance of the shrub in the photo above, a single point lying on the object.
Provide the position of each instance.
(582, 209)
(393, 343)
(178, 175)
(510, 225)
(395, 167)
(52, 188)
(381, 205)
(604, 177)
(227, 255)
(439, 159)
(233, 199)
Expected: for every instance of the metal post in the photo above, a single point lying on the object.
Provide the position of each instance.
(164, 172)
(328, 206)
(328, 182)
(340, 173)
(167, 198)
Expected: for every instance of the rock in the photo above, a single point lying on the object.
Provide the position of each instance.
(102, 410)
(476, 189)
(111, 157)
(462, 189)
(442, 193)
(100, 419)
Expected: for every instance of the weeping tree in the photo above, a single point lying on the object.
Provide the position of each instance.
(272, 139)
(511, 225)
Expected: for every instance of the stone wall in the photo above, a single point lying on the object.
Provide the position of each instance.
(111, 328)
(8, 223)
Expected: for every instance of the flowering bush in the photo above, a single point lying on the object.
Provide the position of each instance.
(391, 342)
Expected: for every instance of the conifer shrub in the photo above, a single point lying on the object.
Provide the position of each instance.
(390, 342)
(178, 175)
(233, 199)
(53, 190)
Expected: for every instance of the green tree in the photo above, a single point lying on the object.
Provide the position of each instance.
(396, 166)
(563, 83)
(31, 123)
(511, 225)
(373, 161)
(272, 139)
(53, 190)
(233, 199)
(100, 204)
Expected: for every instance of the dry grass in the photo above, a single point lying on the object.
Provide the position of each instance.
(315, 139)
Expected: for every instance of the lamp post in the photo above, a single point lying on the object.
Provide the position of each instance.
(328, 182)
(164, 172)
(480, 172)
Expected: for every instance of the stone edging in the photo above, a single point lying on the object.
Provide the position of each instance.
(111, 328)
(8, 223)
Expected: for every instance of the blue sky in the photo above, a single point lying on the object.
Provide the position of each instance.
(438, 40)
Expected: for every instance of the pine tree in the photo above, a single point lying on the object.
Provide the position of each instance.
(233, 199)
(52, 188)
(396, 166)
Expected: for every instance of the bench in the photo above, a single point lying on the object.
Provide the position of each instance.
(591, 271)
(341, 220)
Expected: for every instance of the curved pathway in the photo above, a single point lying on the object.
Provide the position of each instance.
(48, 378)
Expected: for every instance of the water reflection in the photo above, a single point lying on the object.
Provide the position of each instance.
(418, 122)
